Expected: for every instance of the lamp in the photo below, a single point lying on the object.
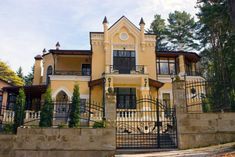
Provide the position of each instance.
(172, 75)
(145, 82)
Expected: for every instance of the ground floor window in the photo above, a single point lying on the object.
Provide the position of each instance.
(126, 98)
(167, 103)
(11, 101)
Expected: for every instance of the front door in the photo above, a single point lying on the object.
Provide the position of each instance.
(123, 61)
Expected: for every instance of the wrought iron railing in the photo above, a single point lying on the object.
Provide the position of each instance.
(138, 69)
(90, 113)
(210, 96)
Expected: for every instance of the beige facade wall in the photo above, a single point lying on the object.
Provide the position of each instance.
(48, 60)
(71, 63)
(68, 85)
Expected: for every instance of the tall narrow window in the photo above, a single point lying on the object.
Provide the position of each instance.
(124, 61)
(49, 72)
(167, 103)
(86, 69)
(11, 101)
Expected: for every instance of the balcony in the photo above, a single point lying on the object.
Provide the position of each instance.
(74, 73)
(138, 69)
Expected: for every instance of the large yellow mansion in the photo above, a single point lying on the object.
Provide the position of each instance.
(122, 59)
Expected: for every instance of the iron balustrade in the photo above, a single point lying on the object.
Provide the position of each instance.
(138, 69)
(77, 73)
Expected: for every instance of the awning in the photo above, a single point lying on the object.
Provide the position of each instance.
(32, 91)
(155, 83)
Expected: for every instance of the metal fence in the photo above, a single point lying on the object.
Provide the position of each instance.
(210, 96)
(91, 115)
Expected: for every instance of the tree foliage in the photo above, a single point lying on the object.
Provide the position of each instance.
(19, 109)
(19, 73)
(158, 27)
(75, 109)
(178, 34)
(46, 115)
(28, 79)
(218, 39)
(181, 31)
(7, 74)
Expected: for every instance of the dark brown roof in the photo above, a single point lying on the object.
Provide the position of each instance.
(11, 84)
(191, 56)
(96, 82)
(33, 91)
(155, 83)
(69, 52)
(38, 57)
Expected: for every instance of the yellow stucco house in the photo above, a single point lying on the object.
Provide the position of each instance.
(122, 58)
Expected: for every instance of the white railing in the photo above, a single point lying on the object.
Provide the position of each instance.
(31, 115)
(8, 116)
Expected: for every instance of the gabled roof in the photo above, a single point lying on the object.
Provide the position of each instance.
(69, 52)
(124, 17)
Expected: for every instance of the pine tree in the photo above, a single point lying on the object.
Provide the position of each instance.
(181, 31)
(46, 115)
(19, 109)
(19, 73)
(75, 109)
(158, 27)
(28, 79)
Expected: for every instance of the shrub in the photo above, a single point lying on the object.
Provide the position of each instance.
(8, 128)
(19, 109)
(100, 124)
(46, 115)
(74, 115)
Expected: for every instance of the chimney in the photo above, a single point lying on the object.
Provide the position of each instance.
(37, 70)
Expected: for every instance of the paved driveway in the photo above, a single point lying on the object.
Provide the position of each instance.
(225, 150)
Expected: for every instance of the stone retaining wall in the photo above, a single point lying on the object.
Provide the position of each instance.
(205, 129)
(51, 142)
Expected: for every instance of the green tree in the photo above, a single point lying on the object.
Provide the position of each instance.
(158, 27)
(19, 109)
(181, 31)
(46, 115)
(28, 79)
(74, 115)
(19, 73)
(9, 75)
(218, 39)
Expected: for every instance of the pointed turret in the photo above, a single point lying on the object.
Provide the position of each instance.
(44, 51)
(105, 20)
(57, 46)
(141, 21)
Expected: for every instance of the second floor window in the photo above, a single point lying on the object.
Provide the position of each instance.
(166, 66)
(86, 69)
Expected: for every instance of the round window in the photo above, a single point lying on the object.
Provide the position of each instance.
(123, 36)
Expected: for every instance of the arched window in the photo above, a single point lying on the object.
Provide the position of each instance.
(49, 72)
(61, 97)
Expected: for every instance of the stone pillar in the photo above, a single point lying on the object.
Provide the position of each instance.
(194, 68)
(181, 65)
(179, 96)
(110, 110)
(4, 99)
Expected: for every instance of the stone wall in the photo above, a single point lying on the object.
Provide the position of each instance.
(200, 129)
(204, 129)
(51, 142)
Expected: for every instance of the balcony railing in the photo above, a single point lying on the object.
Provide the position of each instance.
(77, 73)
(138, 69)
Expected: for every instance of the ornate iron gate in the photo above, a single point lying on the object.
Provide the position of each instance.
(151, 125)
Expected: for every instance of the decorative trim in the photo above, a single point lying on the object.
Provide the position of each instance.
(123, 36)
(63, 88)
(70, 77)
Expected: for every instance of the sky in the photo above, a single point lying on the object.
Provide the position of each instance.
(29, 26)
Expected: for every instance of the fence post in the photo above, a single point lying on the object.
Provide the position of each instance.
(110, 110)
(179, 96)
